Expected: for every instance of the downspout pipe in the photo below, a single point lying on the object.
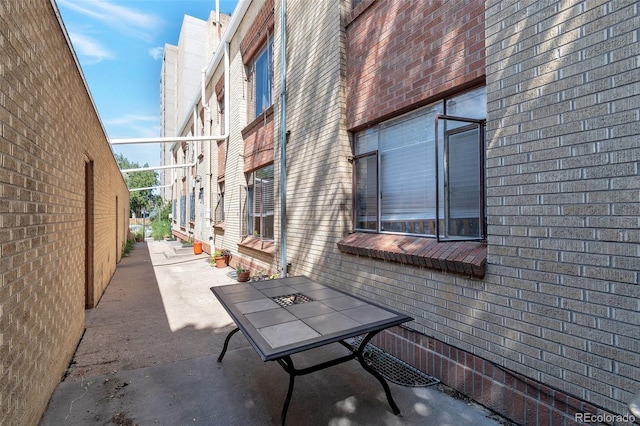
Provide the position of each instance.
(203, 90)
(283, 136)
(227, 90)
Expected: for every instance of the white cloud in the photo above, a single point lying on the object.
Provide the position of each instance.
(132, 119)
(156, 52)
(89, 48)
(124, 19)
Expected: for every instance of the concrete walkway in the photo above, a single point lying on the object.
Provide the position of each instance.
(148, 357)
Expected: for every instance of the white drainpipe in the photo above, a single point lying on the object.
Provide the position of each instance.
(176, 139)
(160, 139)
(203, 90)
(234, 23)
(150, 187)
(142, 169)
(283, 137)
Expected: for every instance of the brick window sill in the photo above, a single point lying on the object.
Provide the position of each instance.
(266, 115)
(254, 243)
(460, 257)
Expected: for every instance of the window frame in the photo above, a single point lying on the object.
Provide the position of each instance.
(379, 128)
(482, 219)
(266, 50)
(192, 205)
(249, 213)
(441, 200)
(218, 212)
(354, 174)
(183, 210)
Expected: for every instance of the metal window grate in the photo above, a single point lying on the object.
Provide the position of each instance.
(291, 299)
(394, 369)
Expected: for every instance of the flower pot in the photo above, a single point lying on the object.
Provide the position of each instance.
(221, 262)
(243, 276)
(197, 248)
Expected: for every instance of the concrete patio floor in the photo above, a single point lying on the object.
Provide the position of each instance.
(148, 357)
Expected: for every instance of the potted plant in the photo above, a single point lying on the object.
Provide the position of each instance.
(242, 274)
(227, 256)
(219, 259)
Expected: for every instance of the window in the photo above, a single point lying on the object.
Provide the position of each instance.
(219, 210)
(221, 116)
(263, 78)
(192, 206)
(174, 208)
(464, 188)
(260, 202)
(183, 210)
(422, 173)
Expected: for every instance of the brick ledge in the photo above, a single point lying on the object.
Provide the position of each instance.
(460, 257)
(254, 243)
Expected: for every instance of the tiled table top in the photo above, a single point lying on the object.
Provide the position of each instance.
(276, 331)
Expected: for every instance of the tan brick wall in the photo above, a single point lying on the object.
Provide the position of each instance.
(559, 302)
(49, 131)
(318, 171)
(563, 206)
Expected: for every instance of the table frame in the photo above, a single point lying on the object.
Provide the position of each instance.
(283, 357)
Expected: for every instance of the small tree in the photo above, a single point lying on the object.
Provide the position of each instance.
(139, 200)
(160, 225)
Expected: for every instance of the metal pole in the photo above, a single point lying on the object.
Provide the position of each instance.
(165, 139)
(283, 136)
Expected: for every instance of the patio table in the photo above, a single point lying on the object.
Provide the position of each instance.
(290, 315)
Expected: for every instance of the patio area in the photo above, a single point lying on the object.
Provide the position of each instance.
(148, 356)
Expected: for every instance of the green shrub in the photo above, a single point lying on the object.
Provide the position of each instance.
(160, 228)
(128, 245)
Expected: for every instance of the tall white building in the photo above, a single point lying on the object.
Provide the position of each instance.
(179, 82)
(168, 107)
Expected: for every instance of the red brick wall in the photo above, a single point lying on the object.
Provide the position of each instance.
(222, 159)
(258, 142)
(518, 398)
(257, 35)
(401, 54)
(220, 89)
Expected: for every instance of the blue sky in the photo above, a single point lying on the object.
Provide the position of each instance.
(120, 44)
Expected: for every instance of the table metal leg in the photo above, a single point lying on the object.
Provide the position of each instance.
(226, 343)
(381, 379)
(287, 364)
